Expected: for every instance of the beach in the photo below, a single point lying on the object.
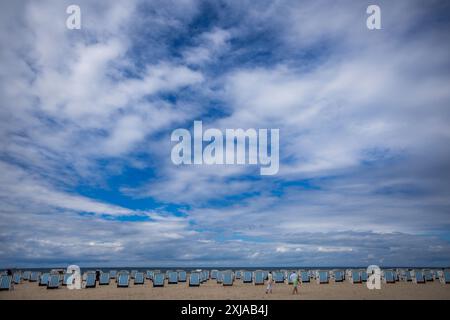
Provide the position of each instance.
(211, 290)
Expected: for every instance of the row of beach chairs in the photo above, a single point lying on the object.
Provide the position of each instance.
(123, 278)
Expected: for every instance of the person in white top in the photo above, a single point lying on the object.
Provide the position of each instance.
(294, 279)
(269, 283)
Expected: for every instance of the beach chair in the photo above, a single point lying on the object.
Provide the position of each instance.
(65, 278)
(139, 278)
(214, 274)
(238, 275)
(338, 276)
(5, 282)
(112, 274)
(435, 274)
(182, 276)
(247, 277)
(406, 275)
(322, 277)
(194, 279)
(418, 277)
(219, 277)
(388, 276)
(354, 276)
(34, 276)
(278, 276)
(133, 273)
(17, 277)
(428, 276)
(259, 277)
(227, 278)
(173, 277)
(43, 279)
(158, 279)
(304, 277)
(364, 275)
(26, 275)
(91, 279)
(104, 279)
(123, 279)
(149, 274)
(444, 278)
(54, 281)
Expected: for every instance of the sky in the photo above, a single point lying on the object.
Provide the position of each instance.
(86, 117)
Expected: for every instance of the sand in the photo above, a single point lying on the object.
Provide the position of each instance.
(239, 290)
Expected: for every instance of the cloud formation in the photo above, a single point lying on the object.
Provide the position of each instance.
(86, 117)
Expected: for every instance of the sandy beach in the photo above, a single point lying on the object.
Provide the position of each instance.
(239, 290)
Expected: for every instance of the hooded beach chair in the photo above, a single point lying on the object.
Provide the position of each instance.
(219, 277)
(364, 275)
(194, 279)
(5, 282)
(149, 274)
(388, 276)
(139, 278)
(205, 275)
(238, 275)
(259, 277)
(354, 276)
(54, 281)
(435, 274)
(123, 279)
(26, 275)
(428, 276)
(406, 275)
(227, 279)
(172, 277)
(65, 278)
(17, 277)
(444, 278)
(214, 274)
(338, 276)
(278, 276)
(182, 276)
(158, 279)
(43, 279)
(304, 276)
(34, 276)
(112, 274)
(247, 277)
(418, 277)
(91, 279)
(104, 279)
(322, 277)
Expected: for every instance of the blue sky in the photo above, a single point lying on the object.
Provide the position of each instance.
(86, 117)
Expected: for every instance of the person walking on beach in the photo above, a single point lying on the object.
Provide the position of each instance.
(269, 283)
(294, 279)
